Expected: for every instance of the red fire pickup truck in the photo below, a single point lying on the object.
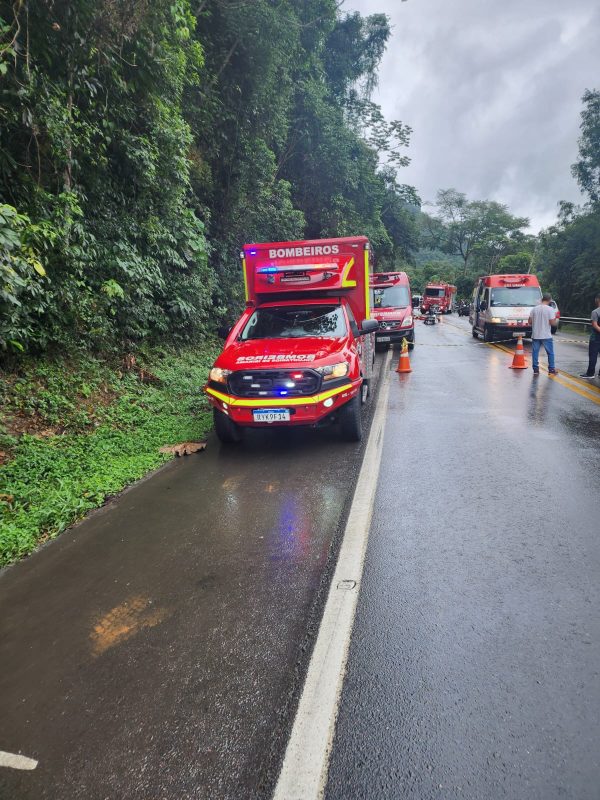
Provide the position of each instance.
(302, 352)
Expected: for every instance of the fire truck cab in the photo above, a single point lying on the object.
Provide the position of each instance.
(392, 308)
(302, 352)
(502, 304)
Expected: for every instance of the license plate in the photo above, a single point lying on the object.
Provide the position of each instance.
(271, 415)
(516, 334)
(384, 338)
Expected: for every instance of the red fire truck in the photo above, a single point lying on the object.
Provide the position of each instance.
(302, 352)
(392, 308)
(440, 295)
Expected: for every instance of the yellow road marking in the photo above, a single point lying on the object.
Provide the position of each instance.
(595, 398)
(588, 390)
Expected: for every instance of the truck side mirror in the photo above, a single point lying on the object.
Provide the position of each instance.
(368, 326)
(483, 306)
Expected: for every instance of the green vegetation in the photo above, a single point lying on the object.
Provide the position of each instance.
(141, 144)
(569, 252)
(78, 431)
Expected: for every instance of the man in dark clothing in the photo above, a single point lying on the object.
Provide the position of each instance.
(594, 349)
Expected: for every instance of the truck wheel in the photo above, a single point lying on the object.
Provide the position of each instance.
(474, 332)
(350, 420)
(488, 335)
(227, 431)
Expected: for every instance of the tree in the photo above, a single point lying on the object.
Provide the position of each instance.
(587, 169)
(480, 228)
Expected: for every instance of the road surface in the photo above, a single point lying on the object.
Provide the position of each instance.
(157, 650)
(473, 667)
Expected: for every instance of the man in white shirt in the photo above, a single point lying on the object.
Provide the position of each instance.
(541, 318)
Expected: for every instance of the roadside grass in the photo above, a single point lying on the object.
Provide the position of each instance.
(75, 431)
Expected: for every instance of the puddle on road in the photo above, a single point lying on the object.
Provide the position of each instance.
(124, 621)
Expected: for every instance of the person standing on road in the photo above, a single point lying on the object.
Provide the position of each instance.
(594, 342)
(541, 318)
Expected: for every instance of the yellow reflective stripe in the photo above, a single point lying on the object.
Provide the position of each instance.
(347, 268)
(367, 288)
(245, 279)
(277, 402)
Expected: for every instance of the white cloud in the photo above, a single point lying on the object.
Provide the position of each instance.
(493, 94)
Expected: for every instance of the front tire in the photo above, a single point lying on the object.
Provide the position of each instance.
(227, 431)
(488, 334)
(350, 420)
(474, 333)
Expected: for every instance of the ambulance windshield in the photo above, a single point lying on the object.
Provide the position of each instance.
(516, 295)
(290, 322)
(391, 297)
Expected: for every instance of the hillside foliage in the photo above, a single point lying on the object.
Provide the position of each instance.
(142, 143)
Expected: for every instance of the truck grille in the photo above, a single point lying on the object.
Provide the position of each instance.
(274, 383)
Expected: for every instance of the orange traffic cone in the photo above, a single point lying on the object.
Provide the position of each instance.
(519, 358)
(404, 363)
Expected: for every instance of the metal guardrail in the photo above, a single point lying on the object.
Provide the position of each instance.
(576, 320)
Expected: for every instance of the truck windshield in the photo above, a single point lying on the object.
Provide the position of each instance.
(289, 322)
(434, 292)
(391, 297)
(516, 296)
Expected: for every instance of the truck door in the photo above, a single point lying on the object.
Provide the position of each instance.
(484, 305)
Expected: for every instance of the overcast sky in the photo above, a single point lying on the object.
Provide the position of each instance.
(492, 90)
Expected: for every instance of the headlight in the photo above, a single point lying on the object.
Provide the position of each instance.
(219, 375)
(407, 322)
(496, 319)
(335, 371)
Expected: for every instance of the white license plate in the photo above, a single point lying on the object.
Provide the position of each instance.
(271, 415)
(516, 334)
(384, 338)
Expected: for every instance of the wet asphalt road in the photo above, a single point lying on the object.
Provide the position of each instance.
(475, 656)
(154, 651)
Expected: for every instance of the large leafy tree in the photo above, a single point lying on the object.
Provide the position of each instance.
(569, 251)
(94, 147)
(481, 230)
(586, 169)
(143, 142)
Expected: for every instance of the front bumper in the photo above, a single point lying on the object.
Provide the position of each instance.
(510, 331)
(303, 410)
(394, 336)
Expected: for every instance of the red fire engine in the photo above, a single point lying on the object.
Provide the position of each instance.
(438, 294)
(392, 308)
(302, 352)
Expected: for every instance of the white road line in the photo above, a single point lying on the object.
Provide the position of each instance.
(16, 762)
(304, 772)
